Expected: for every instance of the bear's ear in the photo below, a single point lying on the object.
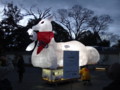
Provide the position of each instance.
(50, 18)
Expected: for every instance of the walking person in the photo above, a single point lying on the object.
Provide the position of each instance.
(85, 76)
(20, 67)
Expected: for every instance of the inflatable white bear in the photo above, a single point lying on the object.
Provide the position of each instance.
(49, 54)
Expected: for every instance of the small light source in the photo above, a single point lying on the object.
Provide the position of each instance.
(100, 69)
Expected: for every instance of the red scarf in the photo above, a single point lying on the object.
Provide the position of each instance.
(44, 39)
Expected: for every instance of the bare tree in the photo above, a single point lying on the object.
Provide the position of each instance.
(74, 19)
(110, 36)
(100, 23)
(37, 13)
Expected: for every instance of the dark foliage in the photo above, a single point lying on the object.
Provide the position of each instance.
(89, 38)
(14, 35)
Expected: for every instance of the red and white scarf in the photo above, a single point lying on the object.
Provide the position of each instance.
(44, 39)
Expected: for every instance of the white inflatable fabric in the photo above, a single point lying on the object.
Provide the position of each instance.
(93, 55)
(52, 56)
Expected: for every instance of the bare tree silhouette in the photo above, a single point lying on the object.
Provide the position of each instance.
(74, 19)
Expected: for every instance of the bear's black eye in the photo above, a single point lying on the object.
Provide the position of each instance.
(42, 22)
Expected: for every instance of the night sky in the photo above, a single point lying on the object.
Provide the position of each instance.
(100, 7)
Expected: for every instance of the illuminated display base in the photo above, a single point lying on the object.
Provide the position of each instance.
(54, 75)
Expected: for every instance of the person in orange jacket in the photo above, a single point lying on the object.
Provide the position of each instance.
(85, 76)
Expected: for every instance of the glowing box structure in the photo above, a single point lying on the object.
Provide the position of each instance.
(54, 75)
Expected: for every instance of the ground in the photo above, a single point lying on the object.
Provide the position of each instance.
(33, 81)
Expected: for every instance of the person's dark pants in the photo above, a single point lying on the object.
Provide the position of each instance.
(20, 77)
(87, 82)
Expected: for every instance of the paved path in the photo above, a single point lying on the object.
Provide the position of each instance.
(32, 81)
